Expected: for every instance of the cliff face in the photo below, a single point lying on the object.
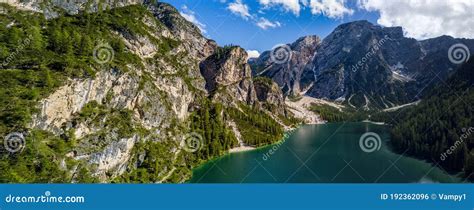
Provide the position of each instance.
(140, 105)
(229, 81)
(228, 76)
(193, 42)
(288, 75)
(371, 84)
(155, 97)
(365, 66)
(269, 93)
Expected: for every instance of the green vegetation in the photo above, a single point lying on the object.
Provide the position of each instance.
(332, 114)
(289, 120)
(19, 92)
(295, 98)
(40, 161)
(431, 128)
(222, 51)
(208, 121)
(264, 81)
(119, 121)
(150, 159)
(428, 130)
(37, 56)
(66, 44)
(40, 55)
(256, 127)
(329, 113)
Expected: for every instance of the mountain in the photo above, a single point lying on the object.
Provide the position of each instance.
(439, 128)
(364, 65)
(288, 74)
(55, 8)
(127, 93)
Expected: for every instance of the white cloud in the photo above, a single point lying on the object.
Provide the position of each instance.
(265, 24)
(289, 5)
(240, 9)
(191, 17)
(253, 53)
(330, 8)
(423, 19)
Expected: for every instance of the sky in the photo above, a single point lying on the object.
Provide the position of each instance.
(259, 25)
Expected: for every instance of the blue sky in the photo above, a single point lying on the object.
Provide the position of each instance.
(220, 24)
(262, 24)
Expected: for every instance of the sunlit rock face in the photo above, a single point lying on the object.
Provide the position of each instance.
(363, 65)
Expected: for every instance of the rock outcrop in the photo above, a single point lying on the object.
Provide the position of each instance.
(229, 80)
(270, 95)
(193, 41)
(288, 75)
(228, 76)
(111, 117)
(154, 99)
(365, 66)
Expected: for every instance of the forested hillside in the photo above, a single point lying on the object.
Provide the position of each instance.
(440, 128)
(112, 96)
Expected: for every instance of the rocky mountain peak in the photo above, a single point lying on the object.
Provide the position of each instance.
(354, 24)
(365, 26)
(228, 76)
(365, 65)
(171, 17)
(305, 43)
(229, 81)
(288, 74)
(194, 42)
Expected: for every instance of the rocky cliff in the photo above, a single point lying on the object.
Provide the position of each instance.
(128, 108)
(288, 74)
(228, 76)
(367, 66)
(229, 81)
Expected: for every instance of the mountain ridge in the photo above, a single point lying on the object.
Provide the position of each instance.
(400, 67)
(118, 96)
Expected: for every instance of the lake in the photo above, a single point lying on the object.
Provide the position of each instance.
(328, 153)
